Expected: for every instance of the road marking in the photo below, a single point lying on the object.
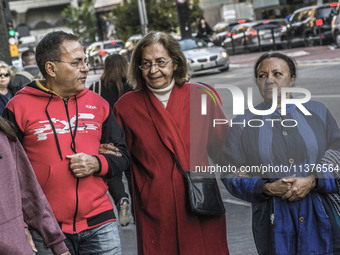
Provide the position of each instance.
(297, 53)
(325, 96)
(320, 62)
(236, 202)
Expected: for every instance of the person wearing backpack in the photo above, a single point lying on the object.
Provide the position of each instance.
(29, 73)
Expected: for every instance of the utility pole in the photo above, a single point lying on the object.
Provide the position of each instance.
(4, 49)
(183, 18)
(143, 16)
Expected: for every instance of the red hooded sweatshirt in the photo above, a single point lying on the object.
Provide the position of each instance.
(50, 128)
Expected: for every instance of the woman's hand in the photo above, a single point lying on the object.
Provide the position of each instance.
(109, 148)
(301, 186)
(278, 188)
(30, 240)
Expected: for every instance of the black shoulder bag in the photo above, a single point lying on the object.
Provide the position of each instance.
(202, 192)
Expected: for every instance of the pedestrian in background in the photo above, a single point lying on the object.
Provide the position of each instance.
(292, 213)
(113, 82)
(23, 200)
(29, 73)
(204, 31)
(111, 86)
(5, 91)
(156, 119)
(61, 125)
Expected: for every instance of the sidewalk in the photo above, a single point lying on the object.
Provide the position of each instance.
(301, 55)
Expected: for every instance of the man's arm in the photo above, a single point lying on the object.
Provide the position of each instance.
(113, 164)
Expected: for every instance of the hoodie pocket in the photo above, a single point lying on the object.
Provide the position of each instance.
(60, 187)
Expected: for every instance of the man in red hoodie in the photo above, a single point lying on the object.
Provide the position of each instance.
(61, 125)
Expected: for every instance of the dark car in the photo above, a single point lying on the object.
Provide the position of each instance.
(254, 36)
(223, 28)
(309, 25)
(336, 25)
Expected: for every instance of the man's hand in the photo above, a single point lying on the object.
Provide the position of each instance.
(30, 240)
(301, 186)
(83, 165)
(109, 148)
(66, 253)
(278, 188)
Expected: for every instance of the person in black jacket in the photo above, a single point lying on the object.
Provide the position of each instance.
(111, 86)
(204, 31)
(29, 73)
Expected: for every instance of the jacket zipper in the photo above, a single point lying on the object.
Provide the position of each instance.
(77, 185)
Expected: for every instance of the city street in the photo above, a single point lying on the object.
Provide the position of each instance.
(318, 71)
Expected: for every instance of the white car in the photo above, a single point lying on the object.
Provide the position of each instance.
(98, 51)
(336, 25)
(202, 57)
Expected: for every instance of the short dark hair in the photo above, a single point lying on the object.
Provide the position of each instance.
(28, 57)
(290, 62)
(27, 53)
(175, 53)
(49, 48)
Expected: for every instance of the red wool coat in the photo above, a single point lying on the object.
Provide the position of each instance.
(164, 223)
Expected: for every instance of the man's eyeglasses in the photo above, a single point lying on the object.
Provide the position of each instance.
(78, 63)
(4, 74)
(159, 64)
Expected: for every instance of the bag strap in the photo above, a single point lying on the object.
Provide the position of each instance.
(99, 87)
(176, 159)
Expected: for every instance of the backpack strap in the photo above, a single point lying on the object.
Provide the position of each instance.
(27, 75)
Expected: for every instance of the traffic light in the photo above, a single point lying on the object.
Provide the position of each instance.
(11, 32)
(13, 47)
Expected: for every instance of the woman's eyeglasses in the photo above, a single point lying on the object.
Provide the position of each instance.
(4, 74)
(159, 64)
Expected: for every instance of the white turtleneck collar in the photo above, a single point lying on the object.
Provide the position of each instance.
(163, 95)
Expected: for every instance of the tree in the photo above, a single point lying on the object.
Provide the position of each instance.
(126, 19)
(195, 13)
(82, 20)
(162, 16)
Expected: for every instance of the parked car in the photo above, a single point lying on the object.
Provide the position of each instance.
(202, 57)
(98, 51)
(255, 36)
(336, 25)
(222, 29)
(309, 25)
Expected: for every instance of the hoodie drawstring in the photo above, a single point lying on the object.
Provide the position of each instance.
(53, 128)
(73, 135)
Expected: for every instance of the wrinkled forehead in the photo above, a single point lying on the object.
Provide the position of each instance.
(72, 48)
(273, 64)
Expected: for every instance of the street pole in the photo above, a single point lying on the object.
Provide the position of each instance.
(183, 18)
(143, 16)
(4, 49)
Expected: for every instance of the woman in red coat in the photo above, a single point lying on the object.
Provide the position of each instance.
(165, 114)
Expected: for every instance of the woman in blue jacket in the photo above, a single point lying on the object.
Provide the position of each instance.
(281, 170)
